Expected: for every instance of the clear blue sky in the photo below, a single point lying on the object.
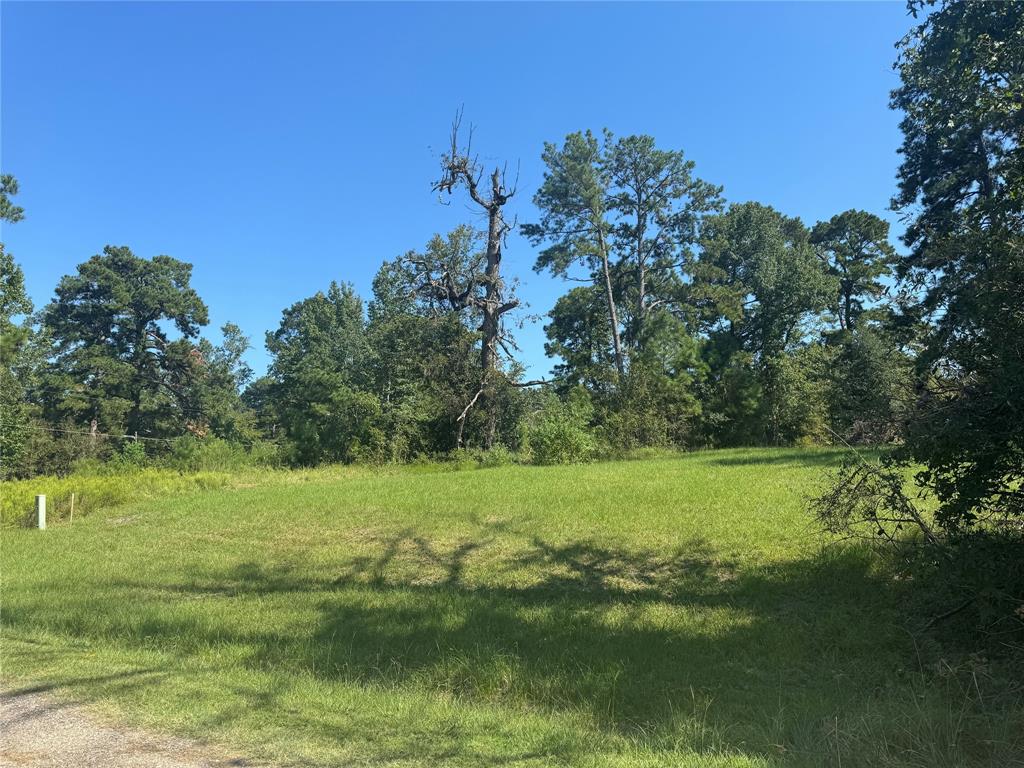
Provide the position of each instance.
(279, 146)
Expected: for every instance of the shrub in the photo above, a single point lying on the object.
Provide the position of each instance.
(131, 456)
(60, 452)
(559, 433)
(649, 409)
(971, 576)
(211, 454)
(498, 456)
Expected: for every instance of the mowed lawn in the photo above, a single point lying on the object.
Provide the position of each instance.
(676, 611)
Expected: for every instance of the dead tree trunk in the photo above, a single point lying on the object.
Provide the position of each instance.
(460, 169)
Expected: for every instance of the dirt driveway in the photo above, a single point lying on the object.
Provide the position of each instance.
(38, 730)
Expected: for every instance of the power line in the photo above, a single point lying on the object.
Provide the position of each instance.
(248, 443)
(85, 432)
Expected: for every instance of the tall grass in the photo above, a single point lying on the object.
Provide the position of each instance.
(94, 491)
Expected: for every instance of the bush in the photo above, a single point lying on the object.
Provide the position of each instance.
(211, 454)
(970, 577)
(973, 587)
(131, 456)
(649, 409)
(560, 433)
(497, 456)
(59, 452)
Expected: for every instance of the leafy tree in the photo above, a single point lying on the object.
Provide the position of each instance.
(793, 407)
(558, 432)
(855, 248)
(869, 386)
(325, 331)
(14, 302)
(453, 276)
(628, 213)
(758, 279)
(578, 333)
(318, 372)
(258, 397)
(658, 206)
(961, 184)
(961, 187)
(424, 366)
(868, 379)
(656, 403)
(573, 201)
(754, 289)
(218, 376)
(14, 411)
(648, 408)
(731, 395)
(114, 361)
(447, 276)
(9, 212)
(424, 362)
(395, 291)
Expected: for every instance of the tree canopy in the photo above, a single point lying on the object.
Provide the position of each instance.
(115, 359)
(961, 181)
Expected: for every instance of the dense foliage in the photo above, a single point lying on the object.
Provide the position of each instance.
(963, 178)
(697, 324)
(961, 308)
(14, 304)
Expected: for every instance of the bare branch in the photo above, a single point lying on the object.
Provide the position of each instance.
(471, 403)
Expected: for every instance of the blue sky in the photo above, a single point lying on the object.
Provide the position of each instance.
(279, 146)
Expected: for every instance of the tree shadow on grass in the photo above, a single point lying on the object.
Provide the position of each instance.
(126, 677)
(634, 639)
(798, 457)
(641, 643)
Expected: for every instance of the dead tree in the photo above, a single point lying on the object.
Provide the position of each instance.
(486, 292)
(460, 169)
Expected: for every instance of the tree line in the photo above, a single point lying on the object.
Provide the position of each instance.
(688, 320)
(692, 323)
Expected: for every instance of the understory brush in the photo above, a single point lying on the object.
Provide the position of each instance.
(190, 454)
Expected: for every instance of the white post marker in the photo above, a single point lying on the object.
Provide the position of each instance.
(41, 511)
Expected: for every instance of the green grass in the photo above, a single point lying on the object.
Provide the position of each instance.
(97, 491)
(105, 487)
(678, 611)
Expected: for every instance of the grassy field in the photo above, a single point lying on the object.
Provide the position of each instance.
(679, 611)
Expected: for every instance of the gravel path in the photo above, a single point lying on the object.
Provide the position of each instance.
(37, 730)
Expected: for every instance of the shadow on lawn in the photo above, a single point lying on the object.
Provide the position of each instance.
(641, 642)
(636, 640)
(798, 457)
(126, 678)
